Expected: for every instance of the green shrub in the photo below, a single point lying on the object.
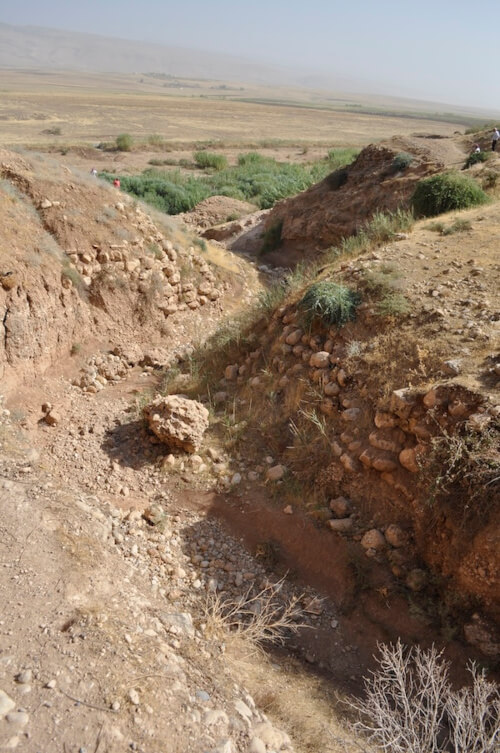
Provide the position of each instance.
(401, 161)
(445, 192)
(124, 142)
(209, 159)
(329, 303)
(474, 158)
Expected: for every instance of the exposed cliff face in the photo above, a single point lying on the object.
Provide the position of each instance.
(80, 260)
(339, 205)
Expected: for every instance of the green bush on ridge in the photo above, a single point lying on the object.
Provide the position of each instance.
(445, 192)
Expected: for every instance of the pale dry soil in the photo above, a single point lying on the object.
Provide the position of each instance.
(89, 109)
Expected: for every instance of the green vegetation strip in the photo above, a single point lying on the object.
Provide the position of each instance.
(260, 180)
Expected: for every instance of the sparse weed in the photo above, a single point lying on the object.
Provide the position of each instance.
(393, 305)
(124, 142)
(490, 179)
(262, 618)
(380, 229)
(201, 243)
(465, 467)
(272, 238)
(458, 226)
(74, 276)
(155, 139)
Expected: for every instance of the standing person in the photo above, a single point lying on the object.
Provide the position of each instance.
(94, 172)
(496, 136)
(116, 182)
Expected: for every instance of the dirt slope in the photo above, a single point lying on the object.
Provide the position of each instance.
(79, 261)
(350, 412)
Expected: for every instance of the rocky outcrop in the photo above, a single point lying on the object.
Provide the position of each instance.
(177, 421)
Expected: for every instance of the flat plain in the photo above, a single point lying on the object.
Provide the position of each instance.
(92, 108)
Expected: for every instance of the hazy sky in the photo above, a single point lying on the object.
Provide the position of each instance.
(430, 49)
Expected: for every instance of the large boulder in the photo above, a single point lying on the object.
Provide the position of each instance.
(177, 421)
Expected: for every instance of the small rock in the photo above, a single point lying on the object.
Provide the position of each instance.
(395, 536)
(288, 510)
(153, 514)
(202, 695)
(340, 525)
(183, 621)
(51, 684)
(373, 539)
(320, 360)
(231, 372)
(6, 704)
(275, 473)
(340, 506)
(256, 746)
(416, 579)
(24, 677)
(243, 709)
(52, 418)
(19, 718)
(134, 697)
(453, 367)
(215, 716)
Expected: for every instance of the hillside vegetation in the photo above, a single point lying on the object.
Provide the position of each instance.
(258, 179)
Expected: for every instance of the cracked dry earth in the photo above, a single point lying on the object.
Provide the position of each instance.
(105, 644)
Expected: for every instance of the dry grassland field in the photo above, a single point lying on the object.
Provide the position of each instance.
(90, 108)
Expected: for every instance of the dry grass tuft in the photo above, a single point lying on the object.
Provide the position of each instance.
(262, 618)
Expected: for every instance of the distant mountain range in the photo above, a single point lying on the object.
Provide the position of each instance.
(31, 47)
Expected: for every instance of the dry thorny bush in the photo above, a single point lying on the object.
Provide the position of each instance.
(411, 707)
(264, 617)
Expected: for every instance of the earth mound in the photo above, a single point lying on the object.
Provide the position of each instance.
(216, 210)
